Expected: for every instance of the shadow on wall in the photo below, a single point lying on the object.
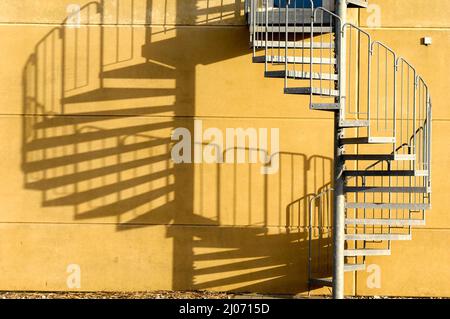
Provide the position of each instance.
(100, 100)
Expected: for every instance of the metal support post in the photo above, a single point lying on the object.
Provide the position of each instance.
(339, 197)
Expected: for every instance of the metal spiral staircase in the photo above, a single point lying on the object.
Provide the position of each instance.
(382, 107)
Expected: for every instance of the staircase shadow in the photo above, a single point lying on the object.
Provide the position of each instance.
(96, 139)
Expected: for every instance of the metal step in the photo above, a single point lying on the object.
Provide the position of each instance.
(385, 173)
(377, 237)
(367, 252)
(314, 91)
(301, 75)
(357, 3)
(353, 123)
(292, 44)
(325, 106)
(292, 59)
(321, 282)
(354, 267)
(384, 222)
(409, 206)
(377, 189)
(290, 29)
(379, 157)
(368, 140)
(421, 173)
(405, 157)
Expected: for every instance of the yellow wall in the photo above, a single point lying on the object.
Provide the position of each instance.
(92, 183)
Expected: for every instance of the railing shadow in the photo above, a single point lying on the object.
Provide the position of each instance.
(100, 101)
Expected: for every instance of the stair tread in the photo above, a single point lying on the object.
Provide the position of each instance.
(321, 281)
(367, 252)
(314, 91)
(368, 140)
(292, 44)
(378, 237)
(376, 157)
(384, 221)
(381, 189)
(354, 267)
(292, 59)
(405, 157)
(290, 29)
(301, 75)
(357, 3)
(353, 123)
(325, 106)
(410, 206)
(384, 173)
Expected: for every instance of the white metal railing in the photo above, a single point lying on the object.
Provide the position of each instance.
(382, 88)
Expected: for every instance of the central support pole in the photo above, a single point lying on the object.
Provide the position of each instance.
(339, 197)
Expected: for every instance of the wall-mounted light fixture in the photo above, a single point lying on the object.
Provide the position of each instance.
(427, 41)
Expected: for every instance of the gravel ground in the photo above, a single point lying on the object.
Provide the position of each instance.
(163, 295)
(113, 295)
(145, 295)
(116, 295)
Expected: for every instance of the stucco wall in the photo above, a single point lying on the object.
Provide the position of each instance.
(91, 183)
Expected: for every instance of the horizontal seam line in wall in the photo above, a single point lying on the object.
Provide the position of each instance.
(187, 116)
(408, 28)
(204, 25)
(126, 25)
(168, 116)
(189, 225)
(154, 224)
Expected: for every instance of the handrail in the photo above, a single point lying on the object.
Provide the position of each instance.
(398, 111)
(401, 91)
(420, 79)
(315, 20)
(400, 58)
(357, 28)
(288, 2)
(394, 108)
(384, 46)
(327, 11)
(348, 105)
(410, 68)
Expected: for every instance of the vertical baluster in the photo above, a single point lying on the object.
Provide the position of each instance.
(286, 47)
(394, 111)
(253, 22)
(386, 91)
(311, 53)
(349, 91)
(320, 55)
(266, 33)
(378, 89)
(294, 54)
(369, 81)
(330, 54)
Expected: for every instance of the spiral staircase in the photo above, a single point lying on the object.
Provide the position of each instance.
(383, 111)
